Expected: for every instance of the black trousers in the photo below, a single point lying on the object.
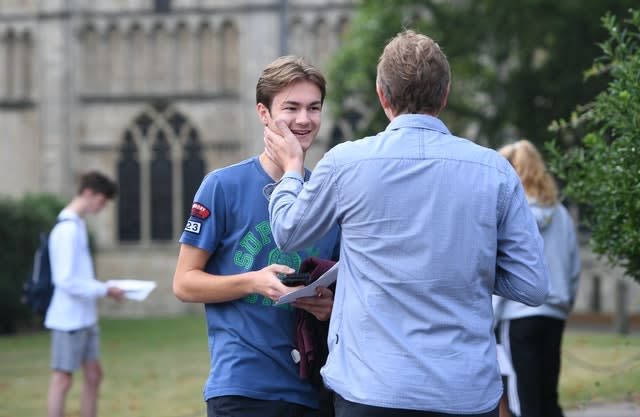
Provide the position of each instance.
(237, 406)
(535, 353)
(346, 408)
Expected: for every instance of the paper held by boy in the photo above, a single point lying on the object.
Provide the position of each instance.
(325, 280)
(134, 289)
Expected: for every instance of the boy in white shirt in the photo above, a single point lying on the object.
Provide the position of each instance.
(72, 315)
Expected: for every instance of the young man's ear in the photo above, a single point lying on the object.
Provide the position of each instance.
(263, 113)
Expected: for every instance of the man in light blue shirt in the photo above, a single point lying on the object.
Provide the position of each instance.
(431, 225)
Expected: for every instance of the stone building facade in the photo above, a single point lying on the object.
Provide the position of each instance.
(154, 93)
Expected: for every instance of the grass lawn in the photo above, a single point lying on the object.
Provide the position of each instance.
(156, 367)
(152, 367)
(599, 367)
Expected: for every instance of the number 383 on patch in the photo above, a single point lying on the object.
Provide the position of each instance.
(193, 227)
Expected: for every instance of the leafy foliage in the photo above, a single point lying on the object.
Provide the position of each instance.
(21, 222)
(604, 174)
(516, 66)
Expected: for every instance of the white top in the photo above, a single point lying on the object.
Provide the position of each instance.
(73, 305)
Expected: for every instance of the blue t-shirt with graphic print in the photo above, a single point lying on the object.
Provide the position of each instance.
(250, 339)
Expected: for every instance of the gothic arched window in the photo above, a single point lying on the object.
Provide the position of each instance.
(129, 193)
(161, 188)
(159, 170)
(16, 54)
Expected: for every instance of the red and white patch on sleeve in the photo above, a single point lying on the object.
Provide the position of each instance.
(200, 211)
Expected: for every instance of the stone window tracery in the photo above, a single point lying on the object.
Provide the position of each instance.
(16, 55)
(159, 58)
(159, 169)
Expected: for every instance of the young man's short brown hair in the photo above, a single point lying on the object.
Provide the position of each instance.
(281, 73)
(414, 74)
(98, 183)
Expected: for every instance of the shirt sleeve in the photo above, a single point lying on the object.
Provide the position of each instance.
(67, 270)
(206, 223)
(521, 271)
(302, 213)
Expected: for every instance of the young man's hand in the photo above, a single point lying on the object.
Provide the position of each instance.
(285, 151)
(115, 293)
(267, 283)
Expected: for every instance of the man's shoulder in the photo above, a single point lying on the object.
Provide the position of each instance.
(66, 229)
(352, 149)
(66, 221)
(233, 169)
(477, 153)
(562, 212)
(233, 185)
(234, 173)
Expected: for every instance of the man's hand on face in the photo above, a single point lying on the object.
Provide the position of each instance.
(284, 150)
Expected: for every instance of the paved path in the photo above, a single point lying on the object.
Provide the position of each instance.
(621, 409)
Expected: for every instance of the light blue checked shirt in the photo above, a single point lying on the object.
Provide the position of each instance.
(431, 225)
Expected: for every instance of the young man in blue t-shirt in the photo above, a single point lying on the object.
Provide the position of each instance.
(229, 261)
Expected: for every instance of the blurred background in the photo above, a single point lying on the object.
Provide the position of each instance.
(156, 93)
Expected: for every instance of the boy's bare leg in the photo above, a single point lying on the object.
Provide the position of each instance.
(92, 379)
(59, 386)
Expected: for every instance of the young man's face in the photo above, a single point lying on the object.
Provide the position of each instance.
(299, 105)
(95, 201)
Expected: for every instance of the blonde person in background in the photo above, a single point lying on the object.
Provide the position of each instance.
(532, 336)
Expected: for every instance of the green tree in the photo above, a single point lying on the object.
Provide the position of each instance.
(516, 66)
(604, 174)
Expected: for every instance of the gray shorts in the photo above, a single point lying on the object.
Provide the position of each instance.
(70, 349)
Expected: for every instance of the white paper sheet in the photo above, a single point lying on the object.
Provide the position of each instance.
(134, 289)
(325, 280)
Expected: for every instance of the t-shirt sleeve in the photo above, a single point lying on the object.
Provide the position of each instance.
(205, 225)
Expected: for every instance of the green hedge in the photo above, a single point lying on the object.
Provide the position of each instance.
(21, 222)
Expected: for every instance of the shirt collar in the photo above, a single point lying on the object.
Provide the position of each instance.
(421, 121)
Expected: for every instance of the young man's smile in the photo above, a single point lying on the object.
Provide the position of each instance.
(300, 107)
